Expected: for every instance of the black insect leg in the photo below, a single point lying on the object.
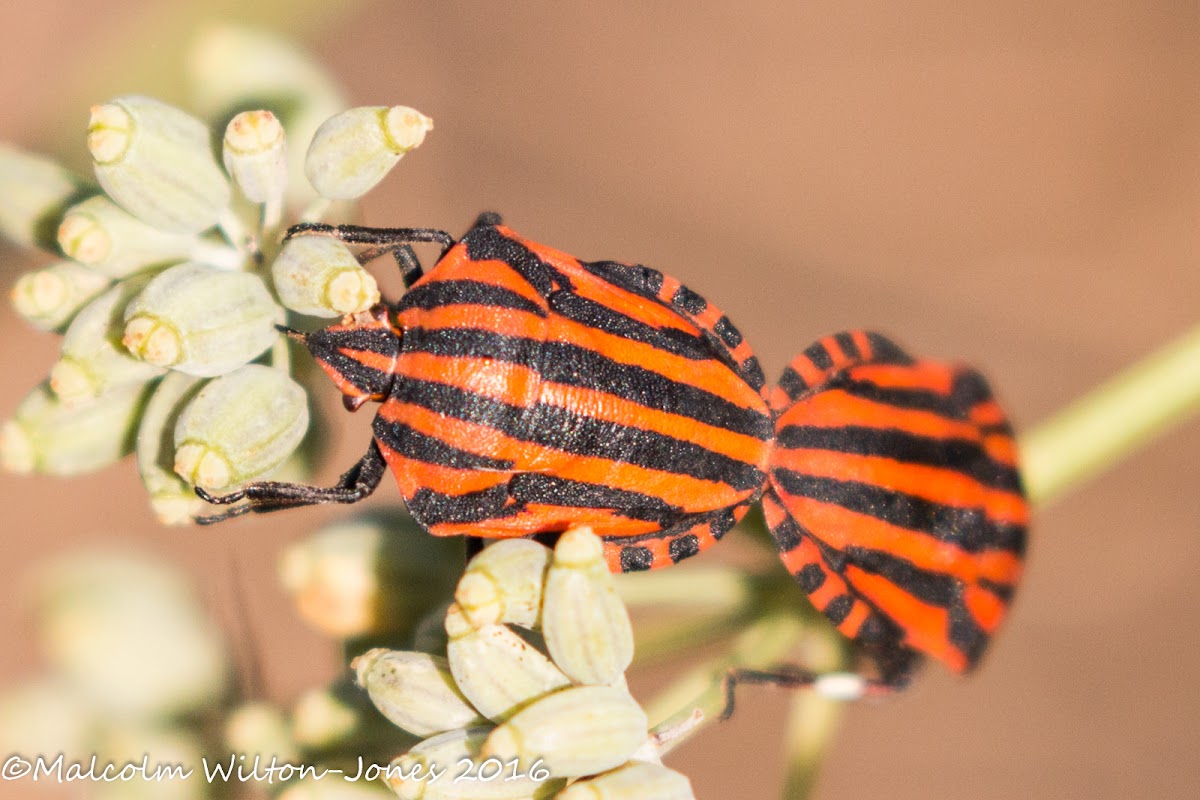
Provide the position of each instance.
(379, 237)
(793, 677)
(396, 241)
(263, 496)
(410, 266)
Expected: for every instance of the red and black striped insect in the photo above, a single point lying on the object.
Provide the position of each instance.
(524, 391)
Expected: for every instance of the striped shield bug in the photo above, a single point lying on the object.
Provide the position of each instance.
(524, 391)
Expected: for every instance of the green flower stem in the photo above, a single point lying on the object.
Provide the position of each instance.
(764, 644)
(1112, 420)
(813, 719)
(672, 637)
(725, 588)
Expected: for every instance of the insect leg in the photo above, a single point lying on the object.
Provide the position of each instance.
(397, 241)
(833, 685)
(263, 496)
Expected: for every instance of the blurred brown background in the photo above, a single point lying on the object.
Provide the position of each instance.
(1016, 187)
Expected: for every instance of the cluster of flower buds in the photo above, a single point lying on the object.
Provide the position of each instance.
(175, 279)
(538, 712)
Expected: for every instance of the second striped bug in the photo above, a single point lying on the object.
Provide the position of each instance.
(524, 391)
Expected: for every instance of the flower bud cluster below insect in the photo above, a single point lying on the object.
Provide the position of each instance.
(513, 719)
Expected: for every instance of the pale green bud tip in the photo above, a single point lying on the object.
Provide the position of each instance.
(354, 150)
(201, 320)
(153, 341)
(252, 133)
(110, 133)
(405, 128)
(82, 239)
(239, 427)
(579, 547)
(35, 294)
(352, 291)
(255, 155)
(101, 234)
(155, 161)
(200, 466)
(73, 382)
(457, 624)
(16, 448)
(480, 599)
(49, 297)
(321, 277)
(504, 583)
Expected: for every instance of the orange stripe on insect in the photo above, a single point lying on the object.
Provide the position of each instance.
(925, 626)
(841, 528)
(503, 321)
(927, 375)
(1002, 448)
(987, 609)
(944, 486)
(507, 382)
(852, 624)
(835, 408)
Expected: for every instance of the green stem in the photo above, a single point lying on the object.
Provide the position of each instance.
(1112, 420)
(763, 645)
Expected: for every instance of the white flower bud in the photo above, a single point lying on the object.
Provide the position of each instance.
(578, 731)
(157, 163)
(637, 780)
(91, 362)
(172, 499)
(497, 670)
(240, 427)
(49, 297)
(503, 584)
(354, 150)
(47, 437)
(232, 68)
(255, 155)
(372, 574)
(586, 626)
(429, 772)
(319, 276)
(101, 234)
(201, 320)
(129, 635)
(415, 691)
(34, 191)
